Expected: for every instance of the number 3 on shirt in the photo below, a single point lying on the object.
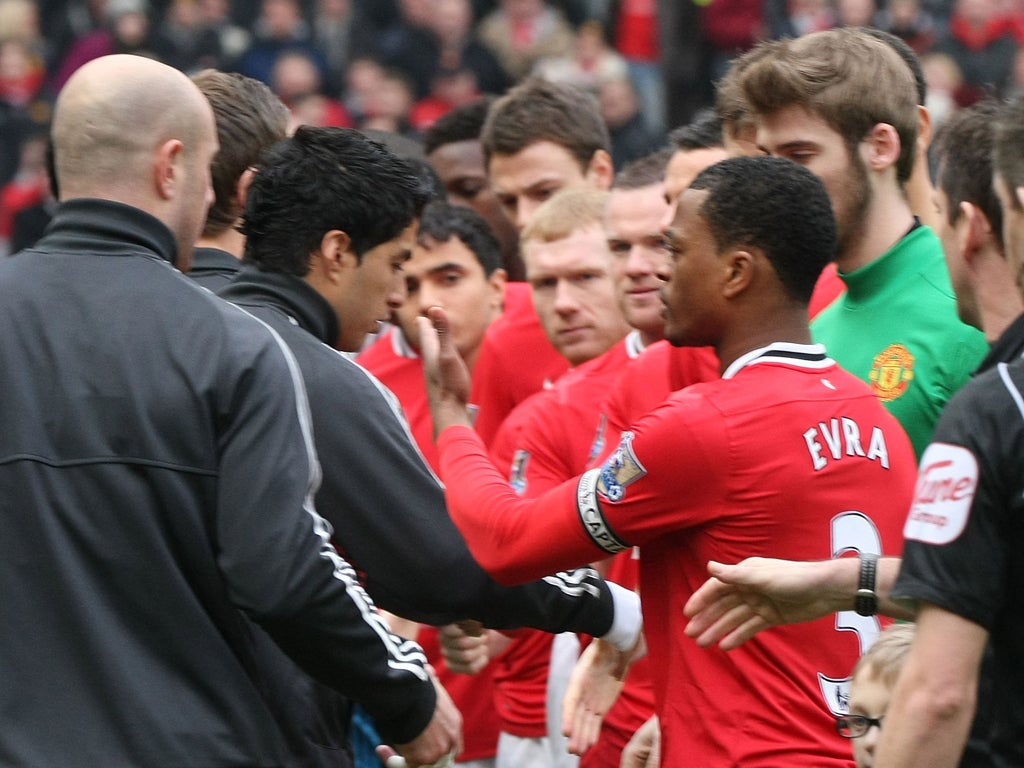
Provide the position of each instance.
(851, 532)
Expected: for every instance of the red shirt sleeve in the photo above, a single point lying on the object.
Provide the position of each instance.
(513, 539)
(667, 475)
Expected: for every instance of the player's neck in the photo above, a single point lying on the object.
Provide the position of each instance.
(230, 241)
(789, 326)
(886, 222)
(999, 301)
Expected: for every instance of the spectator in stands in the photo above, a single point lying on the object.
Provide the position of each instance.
(521, 32)
(126, 28)
(281, 27)
(980, 38)
(631, 138)
(590, 63)
(296, 80)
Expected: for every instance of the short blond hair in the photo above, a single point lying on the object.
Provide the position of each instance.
(884, 659)
(567, 211)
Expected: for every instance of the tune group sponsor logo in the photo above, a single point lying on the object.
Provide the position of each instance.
(946, 483)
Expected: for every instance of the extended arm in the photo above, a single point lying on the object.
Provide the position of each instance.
(738, 601)
(390, 517)
(515, 539)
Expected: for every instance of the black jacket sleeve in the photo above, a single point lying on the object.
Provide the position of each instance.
(389, 517)
(275, 552)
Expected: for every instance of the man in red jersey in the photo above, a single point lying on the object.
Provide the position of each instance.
(453, 148)
(548, 438)
(641, 202)
(538, 138)
(977, 212)
(637, 210)
(456, 264)
(785, 452)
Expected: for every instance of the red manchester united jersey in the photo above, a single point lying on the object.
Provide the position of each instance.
(516, 359)
(546, 440)
(785, 456)
(657, 372)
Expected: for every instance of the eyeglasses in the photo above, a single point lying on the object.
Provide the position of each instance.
(853, 726)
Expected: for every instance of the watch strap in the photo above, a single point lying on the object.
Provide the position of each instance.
(866, 600)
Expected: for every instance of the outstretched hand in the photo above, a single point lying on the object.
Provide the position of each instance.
(595, 684)
(738, 601)
(446, 374)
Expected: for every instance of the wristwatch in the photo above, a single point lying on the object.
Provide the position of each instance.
(866, 601)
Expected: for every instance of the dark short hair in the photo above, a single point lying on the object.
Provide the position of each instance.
(777, 206)
(963, 153)
(703, 132)
(442, 221)
(464, 123)
(644, 171)
(537, 110)
(1008, 154)
(322, 179)
(249, 118)
(428, 177)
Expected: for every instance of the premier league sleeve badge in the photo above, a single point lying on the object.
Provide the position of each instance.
(619, 470)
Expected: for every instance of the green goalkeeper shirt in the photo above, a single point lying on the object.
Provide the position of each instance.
(896, 327)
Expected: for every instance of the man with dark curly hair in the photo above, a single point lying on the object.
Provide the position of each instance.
(330, 221)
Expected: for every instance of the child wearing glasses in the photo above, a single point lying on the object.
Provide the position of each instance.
(874, 678)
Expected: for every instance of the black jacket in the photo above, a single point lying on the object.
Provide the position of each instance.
(213, 268)
(386, 506)
(156, 476)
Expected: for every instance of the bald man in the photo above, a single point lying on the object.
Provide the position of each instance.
(156, 473)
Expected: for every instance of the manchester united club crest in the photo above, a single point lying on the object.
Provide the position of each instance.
(892, 372)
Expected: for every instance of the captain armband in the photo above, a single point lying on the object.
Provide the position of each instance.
(594, 524)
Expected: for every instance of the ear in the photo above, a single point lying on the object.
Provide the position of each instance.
(334, 256)
(977, 231)
(883, 147)
(600, 170)
(166, 165)
(740, 268)
(924, 128)
(497, 281)
(1019, 193)
(242, 188)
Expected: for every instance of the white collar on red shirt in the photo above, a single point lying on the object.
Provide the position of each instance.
(811, 356)
(634, 344)
(401, 347)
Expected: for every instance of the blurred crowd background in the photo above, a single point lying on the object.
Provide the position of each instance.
(398, 65)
